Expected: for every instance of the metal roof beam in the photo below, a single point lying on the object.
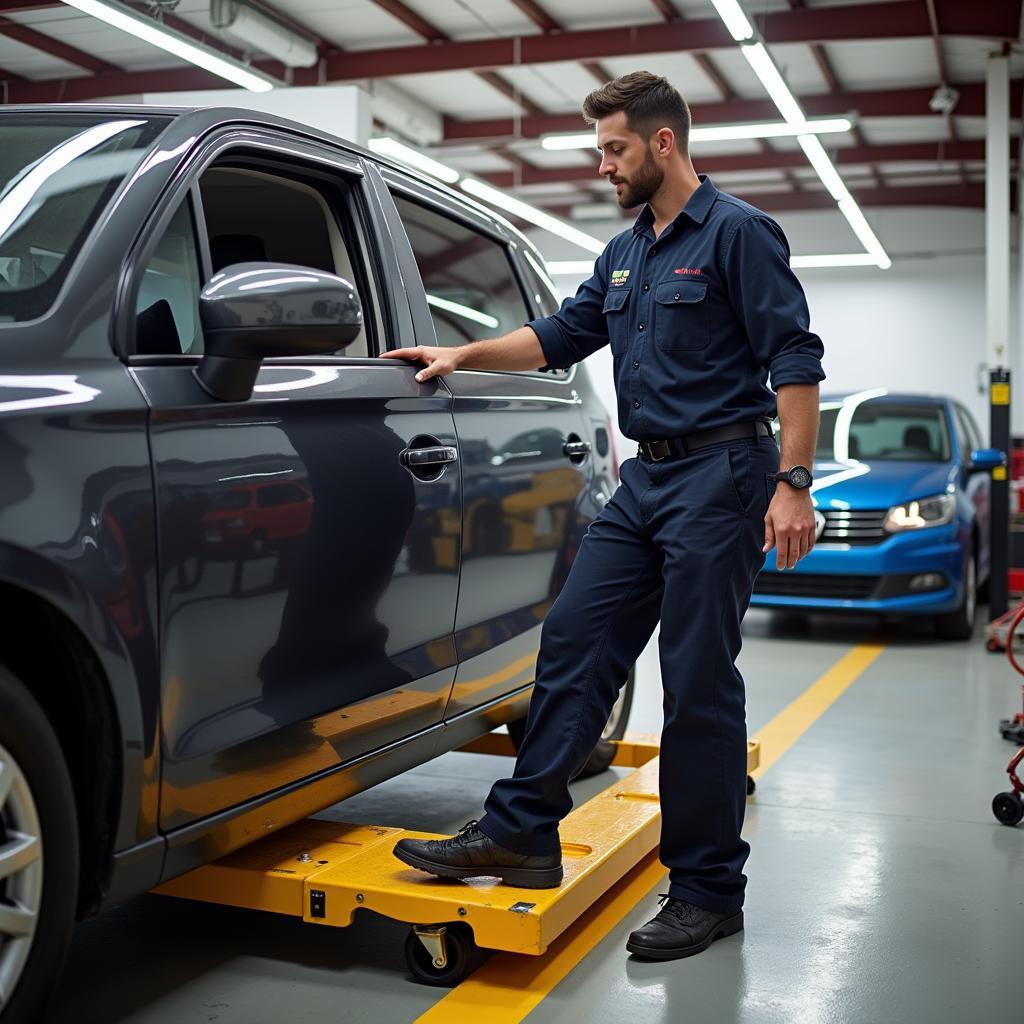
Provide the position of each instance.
(867, 103)
(916, 152)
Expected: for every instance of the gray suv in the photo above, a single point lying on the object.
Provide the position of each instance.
(247, 567)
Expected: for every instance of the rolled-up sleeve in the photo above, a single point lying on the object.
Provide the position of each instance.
(769, 301)
(579, 327)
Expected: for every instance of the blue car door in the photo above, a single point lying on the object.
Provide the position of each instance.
(308, 568)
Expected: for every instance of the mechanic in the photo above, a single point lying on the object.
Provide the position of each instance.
(700, 305)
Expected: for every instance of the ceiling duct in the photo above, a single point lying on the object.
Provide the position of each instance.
(257, 31)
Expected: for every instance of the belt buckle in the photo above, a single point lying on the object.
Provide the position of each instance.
(649, 448)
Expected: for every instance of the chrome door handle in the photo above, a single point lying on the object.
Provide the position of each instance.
(576, 449)
(428, 456)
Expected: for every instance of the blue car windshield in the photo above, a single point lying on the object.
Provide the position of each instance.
(883, 431)
(57, 173)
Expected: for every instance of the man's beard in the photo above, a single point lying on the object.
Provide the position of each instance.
(642, 187)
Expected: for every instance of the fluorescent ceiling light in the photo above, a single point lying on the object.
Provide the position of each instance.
(820, 161)
(764, 67)
(735, 20)
(555, 225)
(414, 158)
(570, 268)
(176, 43)
(842, 259)
(253, 28)
(852, 212)
(466, 312)
(718, 133)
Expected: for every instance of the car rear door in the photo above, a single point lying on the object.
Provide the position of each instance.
(524, 442)
(308, 571)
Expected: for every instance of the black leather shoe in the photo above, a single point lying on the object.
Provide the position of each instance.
(471, 854)
(681, 929)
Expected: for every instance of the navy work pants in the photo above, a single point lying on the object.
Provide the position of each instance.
(680, 541)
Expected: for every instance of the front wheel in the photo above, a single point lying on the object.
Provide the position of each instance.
(615, 728)
(959, 624)
(38, 854)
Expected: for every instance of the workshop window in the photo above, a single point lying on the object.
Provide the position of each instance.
(471, 288)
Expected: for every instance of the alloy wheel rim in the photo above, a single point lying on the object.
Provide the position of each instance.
(21, 873)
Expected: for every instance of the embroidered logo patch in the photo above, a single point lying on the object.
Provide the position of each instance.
(619, 276)
(688, 270)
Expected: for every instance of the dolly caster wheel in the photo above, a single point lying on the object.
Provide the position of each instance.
(751, 785)
(439, 954)
(1008, 808)
(992, 646)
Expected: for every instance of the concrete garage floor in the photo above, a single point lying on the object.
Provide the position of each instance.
(881, 887)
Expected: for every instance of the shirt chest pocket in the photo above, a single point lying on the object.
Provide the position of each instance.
(616, 312)
(681, 321)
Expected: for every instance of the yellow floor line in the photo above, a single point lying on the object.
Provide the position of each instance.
(508, 987)
(796, 718)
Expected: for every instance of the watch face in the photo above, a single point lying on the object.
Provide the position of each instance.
(799, 477)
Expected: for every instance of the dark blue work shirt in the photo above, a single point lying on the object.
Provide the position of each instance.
(697, 319)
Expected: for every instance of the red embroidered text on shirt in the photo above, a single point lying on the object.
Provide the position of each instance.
(688, 270)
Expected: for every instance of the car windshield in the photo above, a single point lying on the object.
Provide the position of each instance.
(883, 431)
(57, 173)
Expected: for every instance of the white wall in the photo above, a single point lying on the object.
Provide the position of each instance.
(919, 326)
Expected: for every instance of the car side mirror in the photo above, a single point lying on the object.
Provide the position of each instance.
(250, 311)
(984, 460)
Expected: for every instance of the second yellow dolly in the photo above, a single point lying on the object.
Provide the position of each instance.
(324, 871)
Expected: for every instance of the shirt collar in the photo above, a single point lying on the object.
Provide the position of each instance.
(696, 208)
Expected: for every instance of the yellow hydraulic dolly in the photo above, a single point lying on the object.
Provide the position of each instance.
(323, 871)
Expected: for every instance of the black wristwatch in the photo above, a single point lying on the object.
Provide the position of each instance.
(798, 477)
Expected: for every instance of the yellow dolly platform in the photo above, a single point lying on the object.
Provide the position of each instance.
(323, 871)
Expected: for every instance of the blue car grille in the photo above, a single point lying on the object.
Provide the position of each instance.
(806, 584)
(857, 527)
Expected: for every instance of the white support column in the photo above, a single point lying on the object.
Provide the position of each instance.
(997, 210)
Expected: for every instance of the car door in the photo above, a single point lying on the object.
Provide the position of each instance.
(525, 453)
(308, 569)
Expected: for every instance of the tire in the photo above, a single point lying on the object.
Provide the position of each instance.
(959, 624)
(1008, 808)
(35, 801)
(604, 753)
(460, 949)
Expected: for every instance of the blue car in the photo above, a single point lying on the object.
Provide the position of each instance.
(901, 494)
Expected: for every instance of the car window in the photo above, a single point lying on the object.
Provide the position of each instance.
(167, 304)
(471, 288)
(884, 431)
(969, 430)
(57, 173)
(545, 295)
(254, 215)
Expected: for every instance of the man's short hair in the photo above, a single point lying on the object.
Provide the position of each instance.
(650, 101)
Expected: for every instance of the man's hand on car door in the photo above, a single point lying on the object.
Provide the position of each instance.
(440, 361)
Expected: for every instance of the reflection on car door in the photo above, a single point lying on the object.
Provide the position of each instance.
(308, 578)
(522, 486)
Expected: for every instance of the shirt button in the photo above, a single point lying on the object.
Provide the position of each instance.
(641, 327)
(676, 296)
(636, 405)
(647, 287)
(653, 252)
(636, 366)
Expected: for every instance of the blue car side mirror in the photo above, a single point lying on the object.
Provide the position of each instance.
(983, 460)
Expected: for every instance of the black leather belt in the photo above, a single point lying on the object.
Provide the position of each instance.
(655, 451)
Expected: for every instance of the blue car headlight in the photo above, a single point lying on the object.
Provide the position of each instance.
(915, 515)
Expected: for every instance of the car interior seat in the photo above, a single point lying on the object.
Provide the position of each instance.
(918, 439)
(228, 249)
